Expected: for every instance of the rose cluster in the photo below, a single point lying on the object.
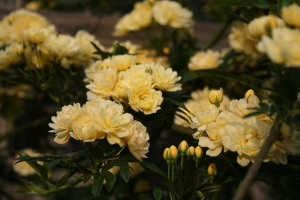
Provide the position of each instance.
(278, 38)
(125, 81)
(28, 35)
(229, 131)
(165, 13)
(99, 120)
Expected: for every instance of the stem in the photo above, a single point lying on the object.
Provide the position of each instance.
(181, 129)
(219, 34)
(169, 169)
(255, 166)
(181, 163)
(173, 174)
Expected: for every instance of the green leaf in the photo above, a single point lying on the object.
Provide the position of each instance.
(283, 3)
(103, 54)
(110, 180)
(52, 163)
(65, 178)
(157, 193)
(212, 187)
(259, 3)
(110, 165)
(148, 165)
(97, 184)
(118, 49)
(87, 178)
(124, 169)
(178, 103)
(231, 179)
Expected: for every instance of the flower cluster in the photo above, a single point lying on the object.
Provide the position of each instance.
(278, 38)
(205, 60)
(98, 120)
(28, 34)
(165, 13)
(229, 130)
(122, 79)
(199, 102)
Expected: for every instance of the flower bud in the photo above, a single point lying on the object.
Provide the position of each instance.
(190, 151)
(216, 96)
(212, 169)
(166, 50)
(198, 152)
(173, 153)
(183, 146)
(249, 93)
(165, 155)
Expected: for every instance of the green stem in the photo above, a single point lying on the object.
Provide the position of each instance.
(64, 186)
(218, 34)
(169, 169)
(181, 129)
(181, 163)
(173, 174)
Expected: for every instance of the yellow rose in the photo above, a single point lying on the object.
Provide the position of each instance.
(11, 55)
(146, 100)
(166, 153)
(190, 151)
(23, 168)
(205, 60)
(216, 96)
(249, 93)
(198, 152)
(283, 47)
(173, 153)
(123, 62)
(165, 79)
(36, 35)
(183, 146)
(291, 15)
(260, 26)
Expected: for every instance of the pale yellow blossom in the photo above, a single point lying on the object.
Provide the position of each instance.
(205, 60)
(291, 15)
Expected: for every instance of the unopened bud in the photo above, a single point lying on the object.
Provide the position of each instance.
(249, 93)
(190, 151)
(212, 169)
(216, 96)
(183, 146)
(173, 153)
(165, 155)
(166, 50)
(198, 152)
(271, 23)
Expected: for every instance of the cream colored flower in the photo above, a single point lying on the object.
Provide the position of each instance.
(249, 93)
(202, 119)
(36, 58)
(20, 20)
(215, 132)
(241, 107)
(137, 140)
(63, 46)
(146, 100)
(240, 40)
(151, 56)
(137, 76)
(123, 62)
(165, 79)
(246, 139)
(36, 35)
(4, 34)
(97, 67)
(205, 60)
(173, 14)
(290, 145)
(283, 48)
(62, 123)
(112, 120)
(216, 96)
(11, 55)
(291, 15)
(23, 168)
(139, 18)
(262, 25)
(104, 82)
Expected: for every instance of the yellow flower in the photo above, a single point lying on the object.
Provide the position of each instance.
(137, 140)
(216, 96)
(112, 120)
(190, 151)
(165, 79)
(63, 122)
(97, 67)
(146, 100)
(183, 146)
(173, 14)
(36, 35)
(63, 46)
(291, 15)
(202, 119)
(198, 152)
(263, 25)
(166, 153)
(4, 34)
(34, 5)
(123, 62)
(11, 55)
(36, 58)
(240, 40)
(205, 60)
(23, 168)
(283, 47)
(173, 153)
(249, 93)
(212, 169)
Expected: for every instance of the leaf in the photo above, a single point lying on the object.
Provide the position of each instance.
(148, 165)
(118, 49)
(103, 54)
(124, 168)
(65, 178)
(144, 197)
(97, 184)
(231, 179)
(99, 198)
(110, 180)
(52, 163)
(110, 165)
(178, 103)
(283, 3)
(226, 3)
(212, 187)
(259, 3)
(87, 178)
(157, 193)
